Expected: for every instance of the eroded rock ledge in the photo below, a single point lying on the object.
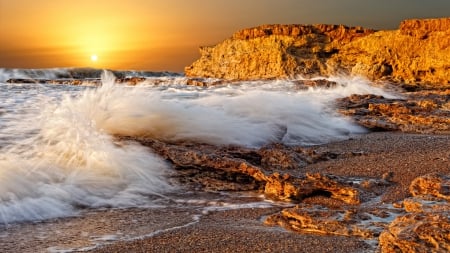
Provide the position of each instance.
(417, 53)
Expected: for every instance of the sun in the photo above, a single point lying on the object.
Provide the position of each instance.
(94, 57)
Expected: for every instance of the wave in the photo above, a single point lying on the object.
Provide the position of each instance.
(74, 73)
(72, 159)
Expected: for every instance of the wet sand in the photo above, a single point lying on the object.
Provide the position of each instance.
(205, 226)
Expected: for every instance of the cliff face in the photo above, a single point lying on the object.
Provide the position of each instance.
(418, 52)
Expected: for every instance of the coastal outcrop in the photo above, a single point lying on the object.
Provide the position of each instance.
(416, 53)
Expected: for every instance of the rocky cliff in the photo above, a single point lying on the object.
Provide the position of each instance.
(418, 52)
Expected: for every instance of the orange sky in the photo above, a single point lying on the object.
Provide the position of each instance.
(165, 34)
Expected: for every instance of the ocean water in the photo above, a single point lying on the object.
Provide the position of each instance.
(58, 148)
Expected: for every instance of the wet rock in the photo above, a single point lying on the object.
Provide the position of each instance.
(426, 204)
(286, 187)
(131, 80)
(420, 112)
(431, 184)
(278, 157)
(86, 81)
(344, 221)
(311, 219)
(326, 204)
(204, 166)
(417, 224)
(426, 228)
(315, 83)
(417, 232)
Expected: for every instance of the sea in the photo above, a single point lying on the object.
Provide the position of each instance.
(60, 155)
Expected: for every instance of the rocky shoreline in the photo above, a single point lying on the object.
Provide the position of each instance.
(386, 191)
(382, 191)
(328, 204)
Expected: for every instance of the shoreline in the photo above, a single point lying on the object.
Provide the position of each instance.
(405, 156)
(408, 156)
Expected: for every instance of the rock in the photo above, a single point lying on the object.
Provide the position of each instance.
(288, 188)
(311, 219)
(418, 112)
(316, 219)
(417, 232)
(339, 33)
(420, 224)
(417, 53)
(420, 28)
(426, 228)
(315, 83)
(93, 82)
(326, 204)
(274, 51)
(426, 204)
(131, 80)
(432, 184)
(235, 168)
(403, 55)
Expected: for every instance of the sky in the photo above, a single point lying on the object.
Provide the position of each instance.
(164, 35)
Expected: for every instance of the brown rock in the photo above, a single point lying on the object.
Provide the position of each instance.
(417, 232)
(421, 27)
(340, 33)
(131, 80)
(311, 219)
(416, 53)
(426, 204)
(273, 51)
(215, 168)
(405, 56)
(432, 184)
(315, 83)
(422, 112)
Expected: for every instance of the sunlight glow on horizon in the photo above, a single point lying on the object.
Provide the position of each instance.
(166, 35)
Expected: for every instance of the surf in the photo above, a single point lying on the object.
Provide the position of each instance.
(61, 151)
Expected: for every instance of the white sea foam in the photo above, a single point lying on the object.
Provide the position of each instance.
(71, 162)
(58, 151)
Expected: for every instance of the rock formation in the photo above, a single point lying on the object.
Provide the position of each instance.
(418, 52)
(426, 226)
(325, 204)
(421, 223)
(419, 112)
(207, 167)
